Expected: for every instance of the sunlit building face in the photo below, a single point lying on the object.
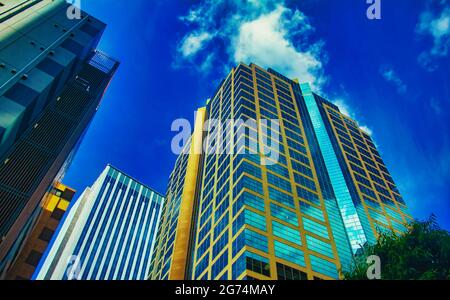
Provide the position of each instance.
(300, 214)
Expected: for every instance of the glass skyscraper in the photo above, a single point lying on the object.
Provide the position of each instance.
(303, 215)
(108, 233)
(51, 84)
(170, 260)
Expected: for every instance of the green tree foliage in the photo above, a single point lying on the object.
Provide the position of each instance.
(422, 253)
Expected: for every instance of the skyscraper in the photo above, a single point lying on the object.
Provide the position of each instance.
(109, 232)
(51, 83)
(170, 260)
(302, 215)
(53, 208)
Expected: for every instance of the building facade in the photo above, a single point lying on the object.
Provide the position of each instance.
(302, 215)
(54, 207)
(51, 84)
(108, 234)
(171, 259)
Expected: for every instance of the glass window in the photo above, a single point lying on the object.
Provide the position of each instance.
(281, 197)
(311, 211)
(202, 266)
(249, 199)
(220, 244)
(219, 265)
(323, 266)
(283, 214)
(239, 266)
(221, 225)
(307, 195)
(319, 246)
(256, 240)
(286, 232)
(203, 247)
(288, 273)
(33, 258)
(46, 234)
(249, 183)
(315, 227)
(279, 182)
(257, 263)
(289, 253)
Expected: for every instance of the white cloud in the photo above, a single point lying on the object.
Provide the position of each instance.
(267, 33)
(435, 25)
(193, 43)
(391, 76)
(265, 41)
(366, 130)
(344, 108)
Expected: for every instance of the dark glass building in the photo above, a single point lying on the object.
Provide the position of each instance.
(51, 82)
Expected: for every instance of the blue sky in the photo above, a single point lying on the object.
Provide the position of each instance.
(391, 75)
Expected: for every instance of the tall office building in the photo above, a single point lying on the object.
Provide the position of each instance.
(51, 83)
(302, 215)
(54, 206)
(108, 234)
(170, 260)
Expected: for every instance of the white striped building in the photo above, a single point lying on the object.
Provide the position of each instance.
(108, 233)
